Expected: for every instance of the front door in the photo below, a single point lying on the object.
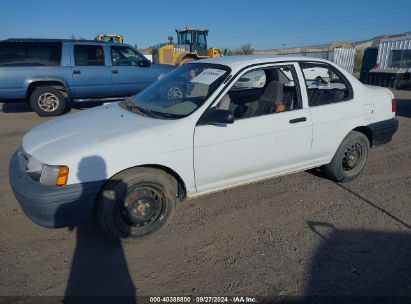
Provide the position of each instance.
(131, 72)
(272, 132)
(199, 44)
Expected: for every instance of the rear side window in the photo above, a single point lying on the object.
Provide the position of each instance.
(325, 85)
(88, 55)
(30, 53)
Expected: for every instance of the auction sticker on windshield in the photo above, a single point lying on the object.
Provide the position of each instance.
(208, 76)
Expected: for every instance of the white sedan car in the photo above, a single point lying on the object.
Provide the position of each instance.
(130, 162)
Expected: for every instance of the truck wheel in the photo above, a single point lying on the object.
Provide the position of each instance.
(350, 159)
(136, 202)
(47, 101)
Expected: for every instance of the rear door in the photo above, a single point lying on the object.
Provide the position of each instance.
(131, 72)
(91, 76)
(332, 106)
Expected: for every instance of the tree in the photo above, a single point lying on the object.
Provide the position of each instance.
(246, 49)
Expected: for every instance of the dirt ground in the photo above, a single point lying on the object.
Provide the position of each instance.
(299, 234)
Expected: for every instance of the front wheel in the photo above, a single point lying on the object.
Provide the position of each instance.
(136, 202)
(350, 159)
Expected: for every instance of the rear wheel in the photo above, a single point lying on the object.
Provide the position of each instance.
(350, 159)
(47, 101)
(136, 202)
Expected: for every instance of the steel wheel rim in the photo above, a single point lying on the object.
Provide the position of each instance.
(174, 93)
(353, 156)
(48, 102)
(142, 206)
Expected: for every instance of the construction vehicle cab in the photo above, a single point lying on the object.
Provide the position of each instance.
(195, 39)
(111, 38)
(191, 45)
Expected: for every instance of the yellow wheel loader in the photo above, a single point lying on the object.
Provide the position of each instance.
(191, 45)
(113, 38)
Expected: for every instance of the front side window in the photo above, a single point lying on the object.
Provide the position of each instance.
(263, 91)
(30, 53)
(325, 85)
(88, 55)
(125, 56)
(180, 92)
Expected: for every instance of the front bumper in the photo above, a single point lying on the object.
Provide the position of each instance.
(384, 130)
(52, 206)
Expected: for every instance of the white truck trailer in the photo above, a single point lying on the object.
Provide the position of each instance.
(393, 65)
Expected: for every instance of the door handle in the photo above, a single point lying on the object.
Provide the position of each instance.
(114, 71)
(76, 72)
(297, 120)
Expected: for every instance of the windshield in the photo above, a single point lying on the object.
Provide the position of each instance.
(181, 92)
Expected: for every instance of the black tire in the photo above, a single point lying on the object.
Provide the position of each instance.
(47, 101)
(125, 199)
(350, 159)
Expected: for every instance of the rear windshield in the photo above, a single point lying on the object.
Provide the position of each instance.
(30, 53)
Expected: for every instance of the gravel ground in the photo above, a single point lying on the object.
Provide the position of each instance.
(299, 234)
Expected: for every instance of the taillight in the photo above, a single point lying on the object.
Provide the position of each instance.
(393, 105)
(377, 66)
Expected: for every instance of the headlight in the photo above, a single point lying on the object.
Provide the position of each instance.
(45, 174)
(54, 175)
(33, 167)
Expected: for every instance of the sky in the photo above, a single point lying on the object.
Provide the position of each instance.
(263, 24)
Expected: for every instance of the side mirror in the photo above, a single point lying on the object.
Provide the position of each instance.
(218, 116)
(144, 63)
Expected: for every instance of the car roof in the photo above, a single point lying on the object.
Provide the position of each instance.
(54, 40)
(241, 61)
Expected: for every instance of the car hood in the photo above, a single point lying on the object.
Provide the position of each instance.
(92, 129)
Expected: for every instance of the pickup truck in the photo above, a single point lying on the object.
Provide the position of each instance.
(50, 72)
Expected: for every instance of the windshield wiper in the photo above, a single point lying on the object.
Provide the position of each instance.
(130, 106)
(165, 115)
